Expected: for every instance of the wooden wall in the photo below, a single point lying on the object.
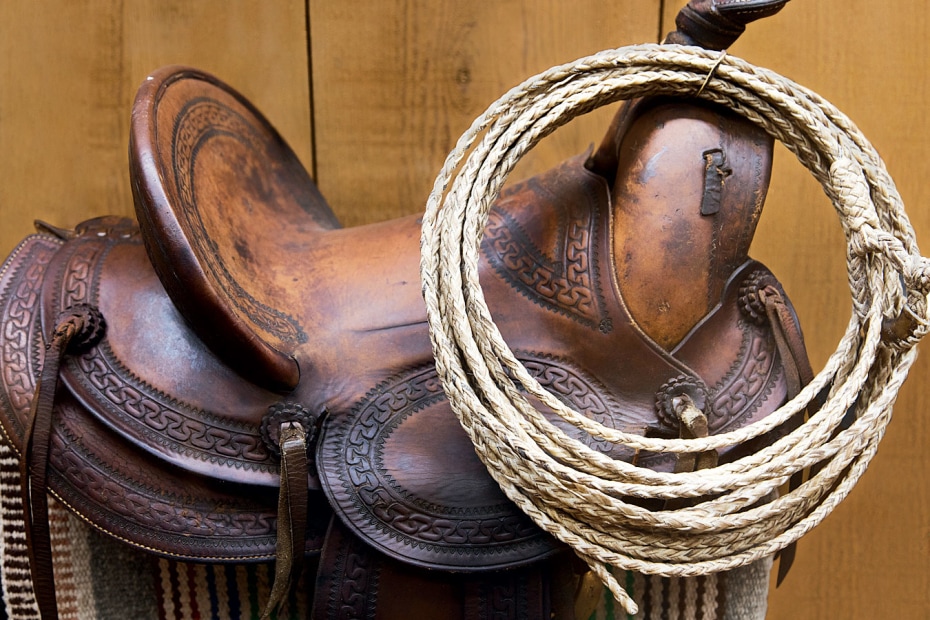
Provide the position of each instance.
(871, 557)
(372, 94)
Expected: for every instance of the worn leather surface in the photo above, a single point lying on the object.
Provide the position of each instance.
(616, 278)
(119, 436)
(716, 24)
(220, 158)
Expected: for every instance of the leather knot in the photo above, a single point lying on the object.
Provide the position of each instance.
(752, 297)
(283, 413)
(669, 399)
(83, 323)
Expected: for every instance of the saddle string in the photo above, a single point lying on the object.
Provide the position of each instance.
(292, 514)
(577, 494)
(77, 328)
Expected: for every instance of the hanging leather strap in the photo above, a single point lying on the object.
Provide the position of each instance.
(693, 425)
(78, 328)
(798, 373)
(788, 340)
(292, 514)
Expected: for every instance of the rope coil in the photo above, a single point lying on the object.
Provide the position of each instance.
(577, 494)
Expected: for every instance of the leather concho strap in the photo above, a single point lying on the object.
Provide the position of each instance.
(763, 300)
(798, 373)
(79, 327)
(292, 514)
(288, 430)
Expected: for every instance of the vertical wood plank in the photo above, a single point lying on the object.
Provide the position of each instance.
(397, 81)
(870, 558)
(69, 72)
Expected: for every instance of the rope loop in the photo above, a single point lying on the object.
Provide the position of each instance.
(579, 495)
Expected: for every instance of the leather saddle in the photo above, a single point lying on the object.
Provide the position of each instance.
(237, 378)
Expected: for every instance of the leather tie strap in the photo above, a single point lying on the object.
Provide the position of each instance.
(693, 426)
(78, 328)
(292, 514)
(788, 340)
(798, 373)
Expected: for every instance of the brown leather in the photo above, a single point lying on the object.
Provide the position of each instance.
(357, 582)
(151, 418)
(622, 281)
(78, 328)
(716, 24)
(292, 513)
(221, 155)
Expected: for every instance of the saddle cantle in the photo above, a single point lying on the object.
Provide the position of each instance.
(238, 313)
(224, 196)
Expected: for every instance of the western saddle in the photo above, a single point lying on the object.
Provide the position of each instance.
(237, 378)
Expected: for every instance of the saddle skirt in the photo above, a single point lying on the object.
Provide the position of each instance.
(237, 303)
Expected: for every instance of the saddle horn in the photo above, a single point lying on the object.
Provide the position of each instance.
(716, 24)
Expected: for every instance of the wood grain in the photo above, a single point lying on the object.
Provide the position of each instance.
(69, 72)
(397, 81)
(870, 558)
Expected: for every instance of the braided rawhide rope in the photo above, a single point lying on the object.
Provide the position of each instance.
(577, 494)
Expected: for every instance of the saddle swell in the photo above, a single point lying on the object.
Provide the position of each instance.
(158, 436)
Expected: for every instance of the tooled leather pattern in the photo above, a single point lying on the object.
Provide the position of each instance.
(748, 382)
(21, 343)
(92, 486)
(372, 490)
(99, 493)
(200, 120)
(77, 279)
(562, 278)
(503, 598)
(354, 593)
(166, 421)
(352, 587)
(152, 415)
(380, 506)
(584, 394)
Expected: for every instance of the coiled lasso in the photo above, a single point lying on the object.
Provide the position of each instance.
(577, 494)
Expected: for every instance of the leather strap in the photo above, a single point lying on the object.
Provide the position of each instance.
(798, 373)
(77, 328)
(693, 426)
(788, 339)
(292, 514)
(356, 581)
